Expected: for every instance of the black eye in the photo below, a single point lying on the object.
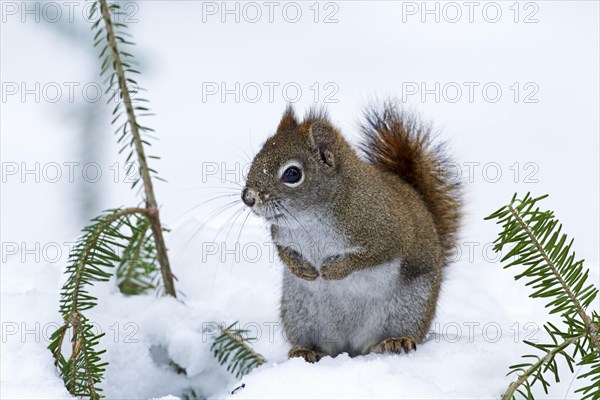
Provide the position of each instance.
(291, 175)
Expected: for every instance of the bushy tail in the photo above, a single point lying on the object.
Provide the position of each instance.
(398, 142)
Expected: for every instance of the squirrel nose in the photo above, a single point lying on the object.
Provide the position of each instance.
(248, 197)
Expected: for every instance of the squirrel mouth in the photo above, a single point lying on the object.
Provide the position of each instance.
(272, 217)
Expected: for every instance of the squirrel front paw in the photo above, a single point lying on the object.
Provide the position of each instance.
(335, 268)
(297, 264)
(304, 270)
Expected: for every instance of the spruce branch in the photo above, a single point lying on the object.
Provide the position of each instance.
(591, 359)
(536, 367)
(91, 252)
(591, 327)
(129, 238)
(96, 250)
(231, 348)
(132, 125)
(137, 268)
(552, 272)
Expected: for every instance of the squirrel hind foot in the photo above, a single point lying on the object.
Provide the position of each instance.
(308, 355)
(395, 345)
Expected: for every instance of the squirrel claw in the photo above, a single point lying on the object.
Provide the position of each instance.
(395, 345)
(308, 355)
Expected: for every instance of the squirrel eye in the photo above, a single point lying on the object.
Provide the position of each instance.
(292, 176)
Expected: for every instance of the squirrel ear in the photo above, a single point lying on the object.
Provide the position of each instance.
(288, 121)
(322, 138)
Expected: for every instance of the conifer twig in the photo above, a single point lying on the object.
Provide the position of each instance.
(592, 329)
(534, 367)
(231, 348)
(112, 218)
(152, 205)
(96, 249)
(552, 271)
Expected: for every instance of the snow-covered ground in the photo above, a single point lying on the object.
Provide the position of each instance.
(540, 136)
(483, 316)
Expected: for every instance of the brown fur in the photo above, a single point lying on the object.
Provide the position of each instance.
(288, 121)
(397, 205)
(397, 142)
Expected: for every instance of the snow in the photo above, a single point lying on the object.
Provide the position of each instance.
(481, 320)
(546, 147)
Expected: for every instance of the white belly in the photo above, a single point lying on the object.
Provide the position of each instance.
(347, 315)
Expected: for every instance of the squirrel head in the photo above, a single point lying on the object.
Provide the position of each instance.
(297, 168)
